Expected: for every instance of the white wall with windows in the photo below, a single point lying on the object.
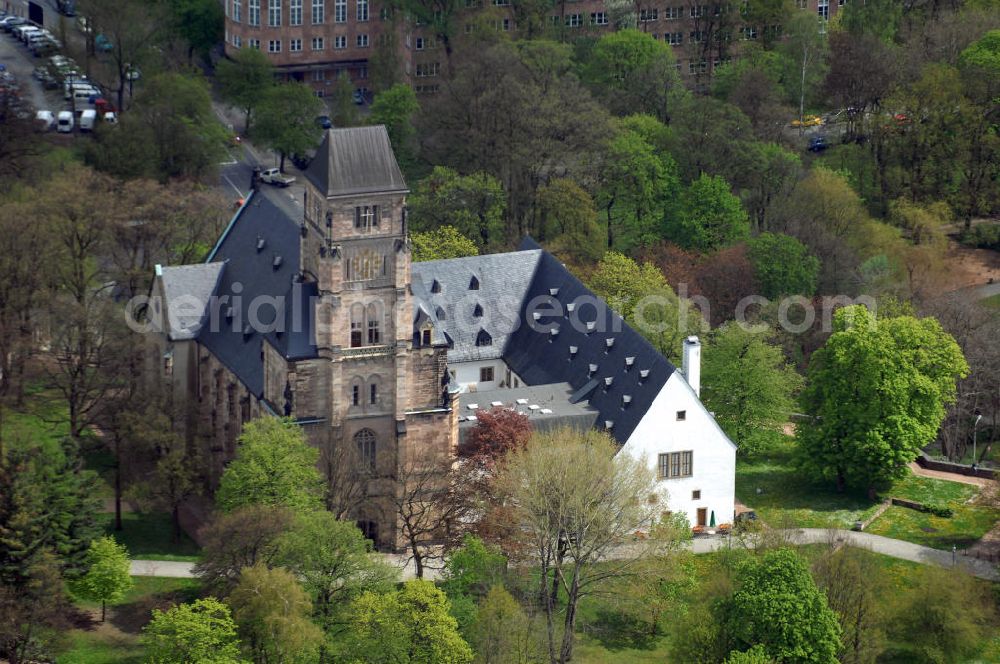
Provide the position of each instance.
(483, 375)
(677, 424)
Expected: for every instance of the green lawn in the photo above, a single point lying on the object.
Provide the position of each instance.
(789, 500)
(786, 498)
(117, 640)
(993, 301)
(148, 536)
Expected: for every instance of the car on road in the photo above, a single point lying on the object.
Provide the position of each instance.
(359, 97)
(274, 177)
(103, 44)
(818, 144)
(65, 122)
(808, 121)
(324, 122)
(11, 22)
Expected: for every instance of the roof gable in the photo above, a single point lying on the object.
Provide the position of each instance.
(187, 290)
(355, 160)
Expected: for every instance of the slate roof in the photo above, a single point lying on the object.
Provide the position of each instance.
(443, 286)
(186, 292)
(355, 160)
(606, 363)
(547, 406)
(260, 250)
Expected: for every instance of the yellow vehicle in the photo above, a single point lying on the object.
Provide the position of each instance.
(808, 121)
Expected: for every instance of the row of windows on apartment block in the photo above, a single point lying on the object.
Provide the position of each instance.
(276, 16)
(295, 45)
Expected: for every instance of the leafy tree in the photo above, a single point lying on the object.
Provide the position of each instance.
(409, 626)
(879, 18)
(783, 265)
(108, 576)
(384, 67)
(642, 296)
(854, 584)
(943, 618)
(551, 484)
(33, 612)
(748, 385)
(342, 102)
(334, 563)
(286, 119)
(244, 79)
(440, 243)
(768, 178)
(709, 217)
(756, 655)
(48, 503)
(244, 537)
(710, 136)
(777, 605)
(200, 22)
(473, 204)
(804, 50)
(395, 108)
(876, 395)
(202, 631)
(753, 84)
(18, 145)
(636, 185)
(274, 465)
(473, 569)
(569, 224)
(862, 71)
(633, 72)
(271, 611)
(502, 632)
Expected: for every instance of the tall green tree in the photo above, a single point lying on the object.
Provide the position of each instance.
(201, 631)
(783, 265)
(334, 562)
(200, 22)
(770, 172)
(342, 102)
(568, 221)
(636, 185)
(804, 49)
(442, 242)
(502, 632)
(108, 576)
(641, 294)
(777, 605)
(634, 73)
(244, 79)
(395, 108)
(749, 385)
(474, 204)
(709, 216)
(286, 119)
(34, 612)
(274, 465)
(876, 394)
(271, 611)
(409, 626)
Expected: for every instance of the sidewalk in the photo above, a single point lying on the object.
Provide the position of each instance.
(942, 475)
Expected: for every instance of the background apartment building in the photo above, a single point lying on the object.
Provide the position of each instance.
(314, 41)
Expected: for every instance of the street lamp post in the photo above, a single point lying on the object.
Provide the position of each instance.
(975, 427)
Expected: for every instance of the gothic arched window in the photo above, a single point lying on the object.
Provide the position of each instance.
(357, 324)
(365, 442)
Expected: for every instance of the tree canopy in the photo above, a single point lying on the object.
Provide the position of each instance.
(200, 631)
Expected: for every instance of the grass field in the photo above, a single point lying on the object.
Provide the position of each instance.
(117, 641)
(786, 499)
(147, 536)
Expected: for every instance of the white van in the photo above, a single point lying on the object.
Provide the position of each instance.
(65, 122)
(87, 120)
(83, 96)
(20, 31)
(80, 83)
(111, 118)
(45, 120)
(28, 31)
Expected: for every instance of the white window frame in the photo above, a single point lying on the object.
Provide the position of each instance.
(340, 11)
(362, 9)
(340, 42)
(274, 13)
(294, 12)
(318, 43)
(274, 46)
(237, 15)
(362, 40)
(253, 13)
(318, 11)
(295, 45)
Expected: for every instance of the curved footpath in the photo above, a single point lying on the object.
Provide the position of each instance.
(884, 545)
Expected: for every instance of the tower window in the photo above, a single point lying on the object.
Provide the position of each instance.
(357, 324)
(365, 442)
(374, 333)
(355, 395)
(373, 394)
(366, 216)
(425, 339)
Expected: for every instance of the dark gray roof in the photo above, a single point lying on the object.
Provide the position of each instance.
(260, 249)
(443, 286)
(634, 368)
(186, 292)
(547, 406)
(355, 160)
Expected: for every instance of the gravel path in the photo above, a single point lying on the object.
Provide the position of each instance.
(884, 545)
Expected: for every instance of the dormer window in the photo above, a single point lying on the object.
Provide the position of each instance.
(478, 311)
(436, 288)
(484, 338)
(474, 283)
(425, 337)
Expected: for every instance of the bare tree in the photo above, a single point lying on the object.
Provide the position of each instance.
(854, 585)
(578, 504)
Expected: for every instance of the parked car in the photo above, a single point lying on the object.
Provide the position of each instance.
(103, 44)
(110, 117)
(359, 97)
(808, 121)
(45, 120)
(273, 176)
(324, 122)
(65, 122)
(10, 22)
(88, 119)
(818, 144)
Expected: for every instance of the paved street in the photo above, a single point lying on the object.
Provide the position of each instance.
(16, 57)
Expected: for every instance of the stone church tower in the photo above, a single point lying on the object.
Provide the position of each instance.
(383, 392)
